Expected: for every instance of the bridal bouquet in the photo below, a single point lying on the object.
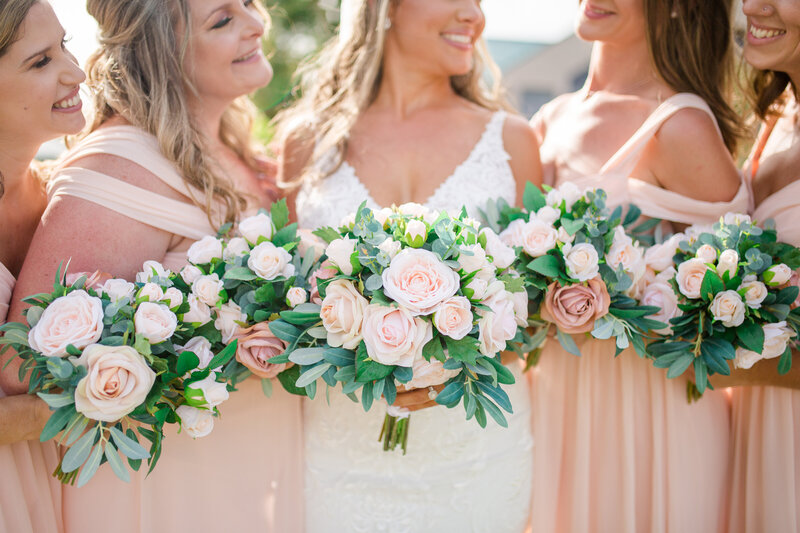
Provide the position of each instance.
(409, 299)
(729, 293)
(116, 361)
(578, 264)
(237, 285)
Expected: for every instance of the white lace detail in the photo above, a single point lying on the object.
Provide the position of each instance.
(484, 174)
(456, 476)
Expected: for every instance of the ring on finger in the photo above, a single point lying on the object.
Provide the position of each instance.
(432, 394)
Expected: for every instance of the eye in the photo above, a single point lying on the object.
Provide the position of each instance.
(248, 3)
(42, 62)
(224, 21)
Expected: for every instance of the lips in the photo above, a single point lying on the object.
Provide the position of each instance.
(247, 56)
(70, 101)
(763, 33)
(595, 12)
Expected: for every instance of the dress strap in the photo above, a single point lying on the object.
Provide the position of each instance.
(627, 157)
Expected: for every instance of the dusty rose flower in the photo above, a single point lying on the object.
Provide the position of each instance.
(575, 308)
(453, 318)
(419, 280)
(393, 335)
(257, 345)
(118, 379)
(76, 319)
(342, 314)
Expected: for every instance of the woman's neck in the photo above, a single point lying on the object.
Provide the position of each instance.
(404, 89)
(15, 161)
(623, 70)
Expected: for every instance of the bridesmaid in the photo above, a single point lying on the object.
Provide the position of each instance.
(765, 490)
(617, 446)
(167, 159)
(39, 81)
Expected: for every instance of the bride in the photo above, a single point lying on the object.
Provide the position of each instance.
(395, 111)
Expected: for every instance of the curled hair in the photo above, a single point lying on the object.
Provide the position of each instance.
(137, 73)
(343, 80)
(691, 44)
(767, 92)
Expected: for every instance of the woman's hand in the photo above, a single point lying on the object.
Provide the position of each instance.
(762, 374)
(417, 399)
(22, 418)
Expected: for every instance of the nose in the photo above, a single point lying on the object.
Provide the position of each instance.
(470, 11)
(254, 23)
(71, 74)
(757, 8)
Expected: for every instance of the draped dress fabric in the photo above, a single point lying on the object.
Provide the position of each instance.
(30, 498)
(456, 476)
(618, 448)
(765, 489)
(246, 476)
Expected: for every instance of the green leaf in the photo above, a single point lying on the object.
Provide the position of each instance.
(345, 374)
(504, 375)
(700, 375)
(680, 365)
(284, 331)
(129, 447)
(266, 387)
(90, 468)
(712, 284)
(311, 375)
(33, 314)
(572, 226)
(288, 378)
(279, 212)
(368, 370)
(632, 215)
(366, 396)
(327, 234)
(57, 421)
(373, 283)
(339, 357)
(785, 362)
(497, 394)
(222, 358)
(56, 401)
(567, 342)
(77, 429)
(434, 350)
(751, 335)
(116, 463)
(493, 410)
(307, 356)
(546, 265)
(78, 453)
(186, 361)
(241, 273)
(532, 198)
(285, 236)
(451, 394)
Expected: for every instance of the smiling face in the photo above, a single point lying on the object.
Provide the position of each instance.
(438, 34)
(773, 35)
(39, 81)
(224, 59)
(611, 21)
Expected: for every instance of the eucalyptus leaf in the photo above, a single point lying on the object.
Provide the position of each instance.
(311, 375)
(90, 467)
(117, 466)
(77, 454)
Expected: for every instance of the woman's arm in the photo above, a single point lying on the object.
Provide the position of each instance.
(762, 374)
(521, 144)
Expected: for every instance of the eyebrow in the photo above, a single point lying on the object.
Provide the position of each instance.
(214, 12)
(43, 50)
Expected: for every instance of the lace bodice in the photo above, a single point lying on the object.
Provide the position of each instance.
(484, 174)
(456, 476)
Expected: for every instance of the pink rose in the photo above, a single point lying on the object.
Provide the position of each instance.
(538, 237)
(257, 345)
(453, 318)
(660, 294)
(429, 374)
(76, 319)
(394, 336)
(325, 271)
(794, 281)
(498, 325)
(342, 314)
(94, 280)
(420, 281)
(690, 277)
(575, 308)
(309, 241)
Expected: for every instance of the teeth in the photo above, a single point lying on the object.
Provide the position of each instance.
(760, 33)
(600, 11)
(69, 102)
(457, 38)
(245, 58)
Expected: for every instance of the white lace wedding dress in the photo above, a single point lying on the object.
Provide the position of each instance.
(456, 477)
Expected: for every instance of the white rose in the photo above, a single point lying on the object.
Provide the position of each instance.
(296, 296)
(416, 233)
(472, 258)
(348, 221)
(173, 297)
(198, 313)
(189, 273)
(554, 198)
(693, 232)
(213, 392)
(756, 292)
(660, 257)
(728, 262)
(520, 301)
(201, 347)
(207, 289)
(268, 261)
(777, 275)
(728, 308)
(624, 252)
(340, 253)
(117, 381)
(204, 250)
(152, 291)
(309, 241)
(745, 359)
(690, 277)
(226, 322)
(514, 234)
(393, 336)
(342, 314)
(571, 194)
(150, 271)
(660, 294)
(707, 253)
(548, 214)
(391, 247)
(382, 216)
(414, 210)
(564, 237)
(119, 290)
(478, 286)
(502, 255)
(419, 280)
(538, 238)
(776, 339)
(255, 227)
(429, 374)
(196, 422)
(736, 218)
(582, 261)
(76, 319)
(453, 318)
(155, 322)
(498, 325)
(236, 247)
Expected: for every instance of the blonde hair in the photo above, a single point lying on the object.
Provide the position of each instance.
(342, 81)
(137, 73)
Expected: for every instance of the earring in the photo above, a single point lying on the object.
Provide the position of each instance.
(674, 14)
(388, 24)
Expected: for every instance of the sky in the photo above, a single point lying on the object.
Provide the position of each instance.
(522, 20)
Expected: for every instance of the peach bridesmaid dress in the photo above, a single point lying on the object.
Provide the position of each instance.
(30, 499)
(246, 476)
(765, 490)
(617, 446)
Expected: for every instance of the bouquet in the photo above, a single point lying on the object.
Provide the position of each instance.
(116, 361)
(578, 265)
(237, 285)
(729, 293)
(408, 298)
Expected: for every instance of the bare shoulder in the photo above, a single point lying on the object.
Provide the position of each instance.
(522, 145)
(550, 112)
(691, 158)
